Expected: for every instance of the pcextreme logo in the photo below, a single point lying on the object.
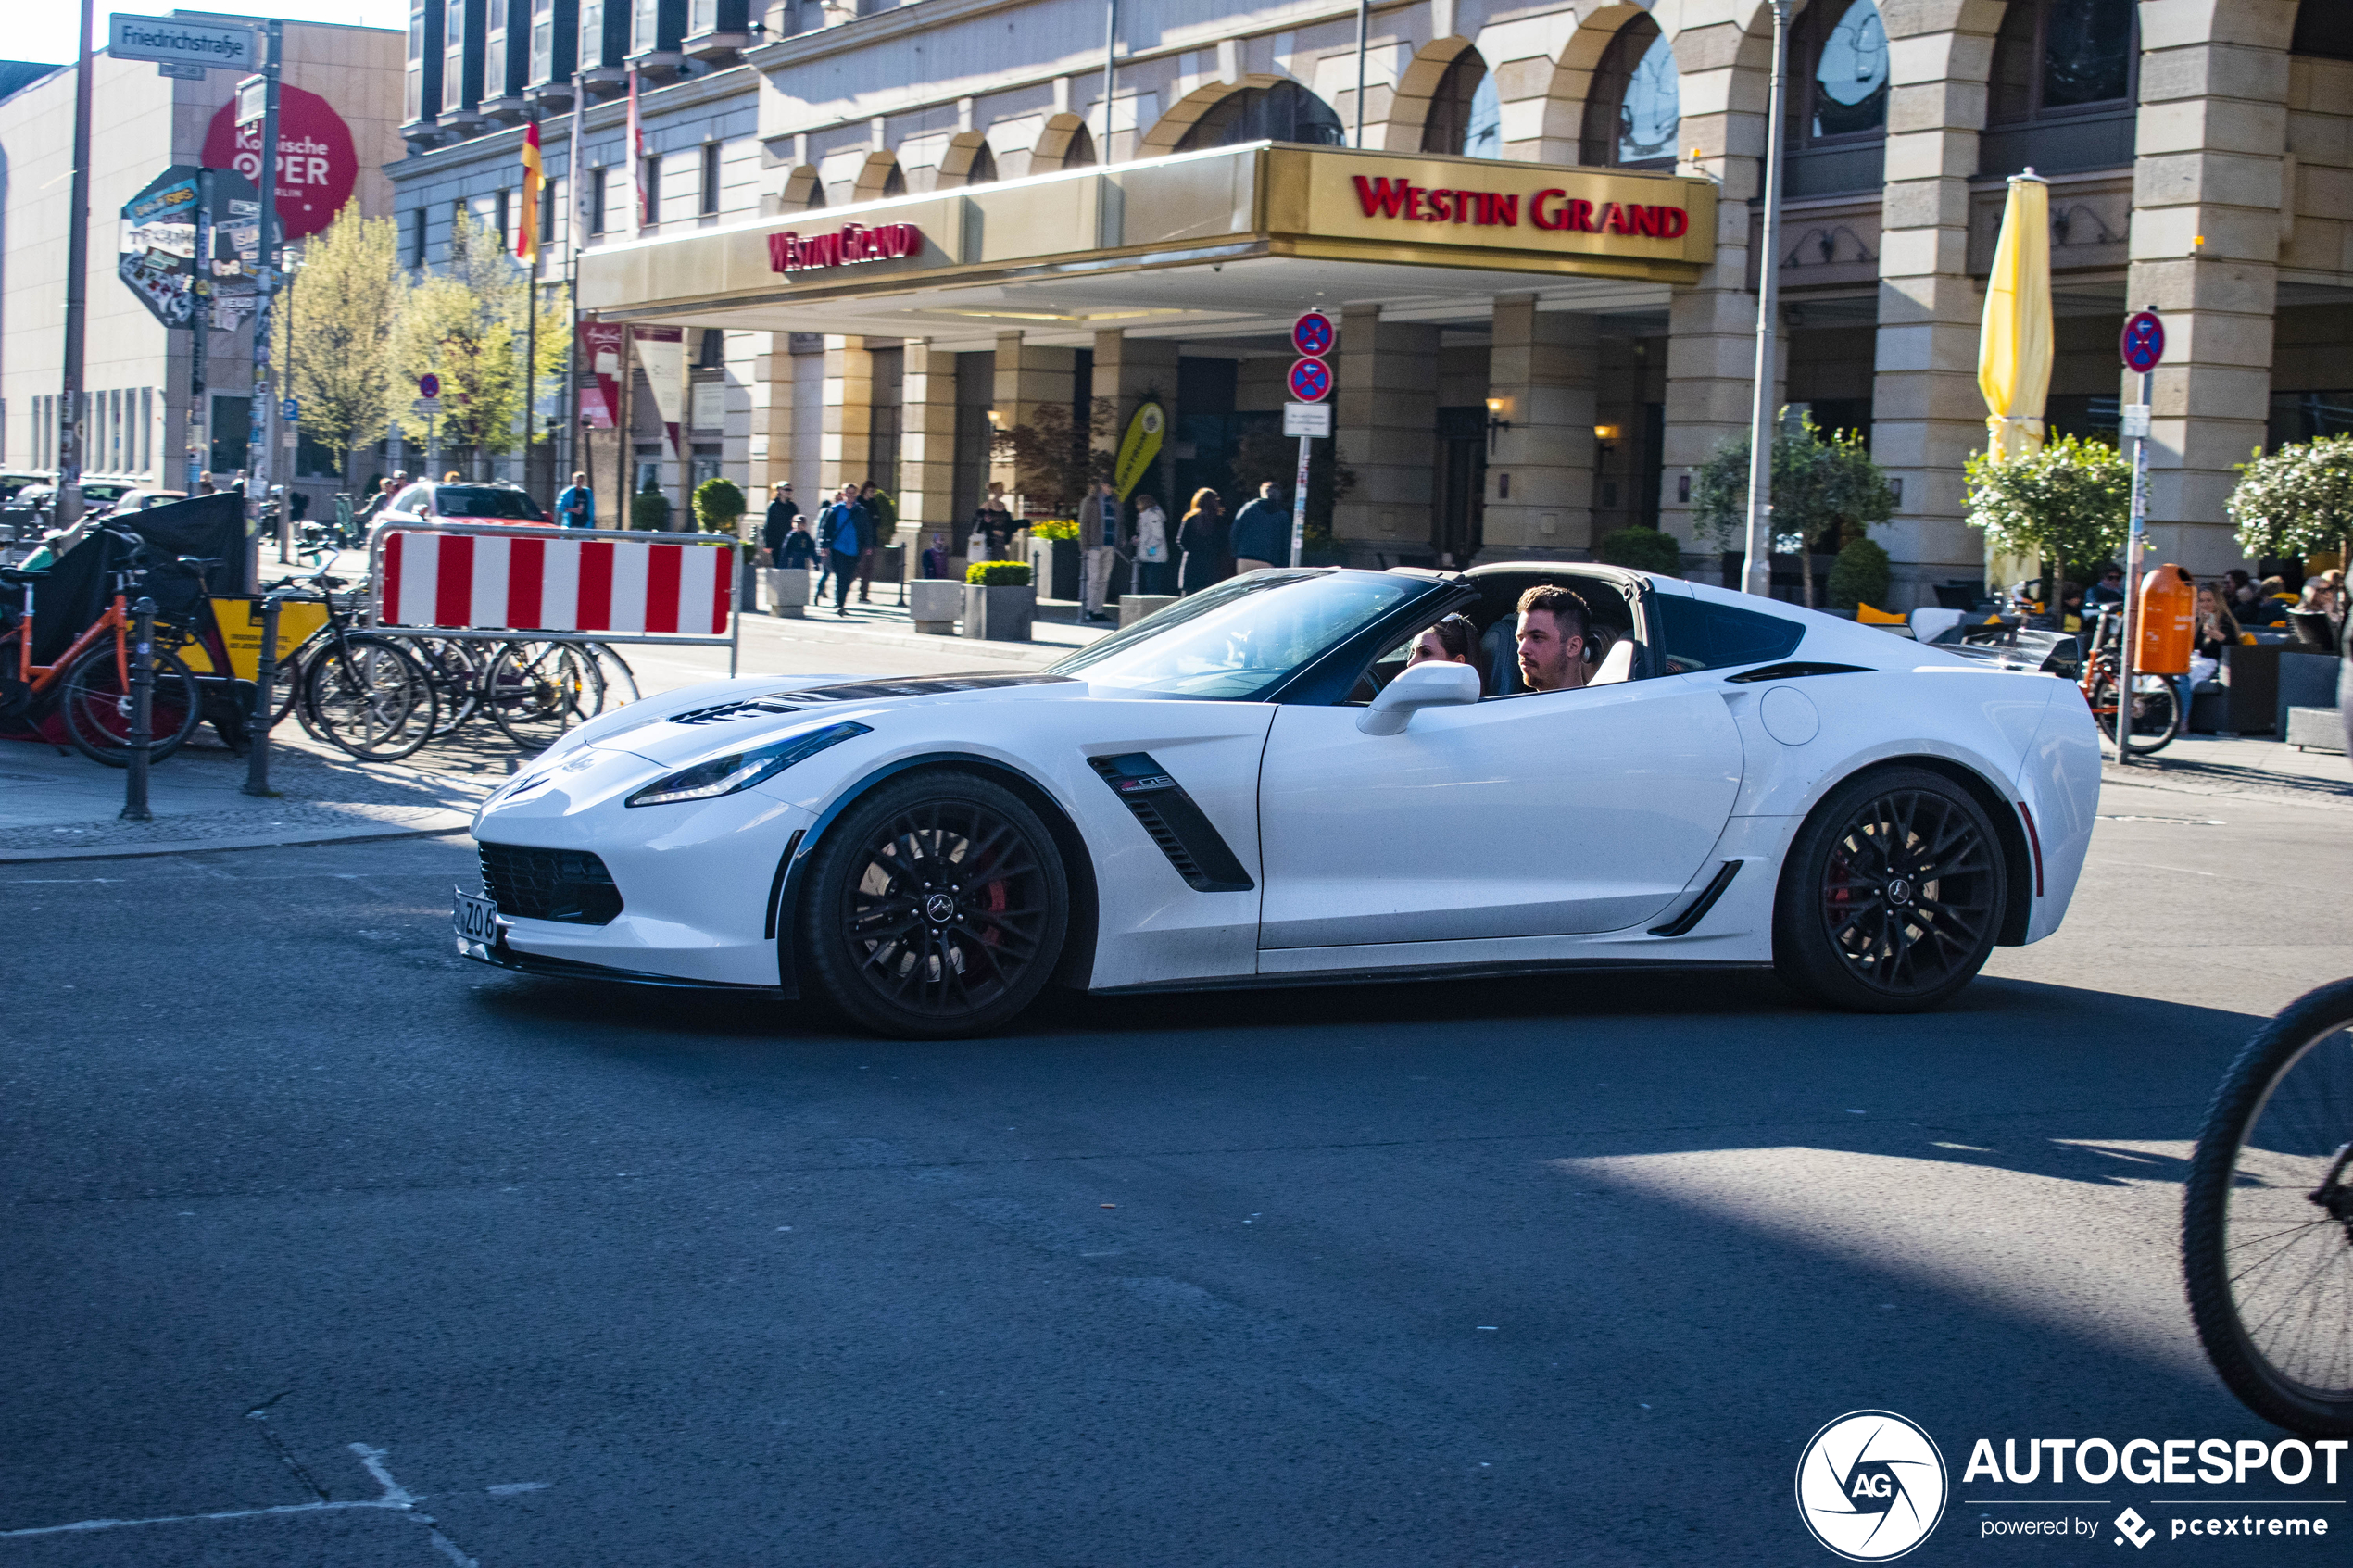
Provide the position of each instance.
(1871, 1485)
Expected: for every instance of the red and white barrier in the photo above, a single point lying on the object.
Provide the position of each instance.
(503, 579)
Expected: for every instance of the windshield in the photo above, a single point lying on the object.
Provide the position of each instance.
(472, 501)
(1235, 641)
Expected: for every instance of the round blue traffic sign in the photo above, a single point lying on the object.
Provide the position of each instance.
(1311, 379)
(1312, 334)
(2143, 344)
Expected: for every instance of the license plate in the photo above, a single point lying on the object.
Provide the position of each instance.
(476, 919)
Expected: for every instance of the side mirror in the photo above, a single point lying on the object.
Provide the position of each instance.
(1434, 684)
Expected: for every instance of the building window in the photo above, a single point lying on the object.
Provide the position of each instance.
(649, 188)
(712, 352)
(645, 26)
(499, 210)
(710, 202)
(1634, 108)
(2062, 88)
(547, 213)
(2323, 28)
(1465, 112)
(1845, 92)
(146, 429)
(417, 238)
(1285, 112)
(596, 200)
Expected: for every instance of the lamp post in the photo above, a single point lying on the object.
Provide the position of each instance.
(1756, 571)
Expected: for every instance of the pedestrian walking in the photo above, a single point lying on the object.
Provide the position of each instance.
(576, 508)
(844, 546)
(1203, 538)
(1099, 544)
(1262, 532)
(1153, 569)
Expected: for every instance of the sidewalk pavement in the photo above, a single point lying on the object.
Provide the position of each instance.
(2241, 765)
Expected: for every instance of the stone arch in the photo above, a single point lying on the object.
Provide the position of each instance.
(1409, 100)
(804, 189)
(1064, 142)
(1170, 129)
(879, 177)
(967, 162)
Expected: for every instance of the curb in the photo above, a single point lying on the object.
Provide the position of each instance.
(294, 839)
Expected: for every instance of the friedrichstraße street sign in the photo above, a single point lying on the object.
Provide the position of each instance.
(171, 41)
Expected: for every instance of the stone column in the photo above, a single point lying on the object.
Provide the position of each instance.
(849, 390)
(1927, 413)
(770, 458)
(1386, 422)
(1127, 368)
(1711, 352)
(926, 445)
(1029, 376)
(2208, 188)
(1540, 473)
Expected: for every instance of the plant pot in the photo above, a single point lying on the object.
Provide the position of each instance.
(933, 604)
(788, 590)
(1053, 566)
(1000, 615)
(1135, 607)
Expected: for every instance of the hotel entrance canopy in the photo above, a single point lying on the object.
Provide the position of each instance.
(1218, 243)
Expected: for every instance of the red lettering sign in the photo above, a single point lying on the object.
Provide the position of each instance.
(1546, 209)
(316, 163)
(848, 245)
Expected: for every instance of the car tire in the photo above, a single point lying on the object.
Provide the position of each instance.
(933, 908)
(1893, 895)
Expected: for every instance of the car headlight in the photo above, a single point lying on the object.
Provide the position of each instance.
(741, 770)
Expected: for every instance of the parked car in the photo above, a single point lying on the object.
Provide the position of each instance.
(434, 501)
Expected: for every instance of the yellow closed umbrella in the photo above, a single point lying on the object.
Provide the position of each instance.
(2014, 345)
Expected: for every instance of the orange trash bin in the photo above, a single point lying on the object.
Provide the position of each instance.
(2168, 622)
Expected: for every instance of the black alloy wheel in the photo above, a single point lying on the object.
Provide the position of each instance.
(1892, 896)
(935, 908)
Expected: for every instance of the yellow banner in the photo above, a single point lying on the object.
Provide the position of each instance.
(1139, 448)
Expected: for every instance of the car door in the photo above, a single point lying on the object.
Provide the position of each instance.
(1546, 814)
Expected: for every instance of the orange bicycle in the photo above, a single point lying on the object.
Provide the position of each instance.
(88, 685)
(2156, 708)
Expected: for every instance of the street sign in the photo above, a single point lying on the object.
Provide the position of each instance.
(429, 386)
(1310, 380)
(252, 102)
(1312, 334)
(425, 408)
(2143, 344)
(175, 69)
(1307, 419)
(174, 40)
(290, 410)
(2132, 421)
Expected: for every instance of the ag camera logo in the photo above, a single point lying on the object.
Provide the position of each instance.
(1871, 1485)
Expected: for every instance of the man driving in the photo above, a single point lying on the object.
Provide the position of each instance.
(1556, 627)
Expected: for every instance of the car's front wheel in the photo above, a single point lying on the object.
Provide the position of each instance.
(933, 908)
(1892, 896)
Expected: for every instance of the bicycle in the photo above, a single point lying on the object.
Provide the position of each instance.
(2267, 1219)
(2156, 708)
(91, 679)
(354, 688)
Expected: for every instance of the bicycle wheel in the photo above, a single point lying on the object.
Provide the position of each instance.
(536, 691)
(2156, 712)
(96, 704)
(621, 682)
(2267, 1219)
(456, 669)
(369, 697)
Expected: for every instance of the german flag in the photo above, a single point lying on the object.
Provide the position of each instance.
(527, 232)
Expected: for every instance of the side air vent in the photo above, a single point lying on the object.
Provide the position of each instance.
(1176, 822)
(1684, 923)
(1795, 672)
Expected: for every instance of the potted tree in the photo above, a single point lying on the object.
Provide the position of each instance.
(2067, 506)
(999, 601)
(1827, 494)
(2296, 501)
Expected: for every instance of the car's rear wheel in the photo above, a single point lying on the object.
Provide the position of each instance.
(935, 908)
(1892, 896)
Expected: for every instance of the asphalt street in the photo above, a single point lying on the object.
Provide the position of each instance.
(327, 1246)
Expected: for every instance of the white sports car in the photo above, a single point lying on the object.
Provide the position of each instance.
(1253, 787)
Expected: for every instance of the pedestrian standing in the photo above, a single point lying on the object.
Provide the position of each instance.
(1203, 538)
(828, 518)
(1152, 565)
(576, 508)
(1098, 541)
(881, 521)
(783, 512)
(1262, 532)
(993, 526)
